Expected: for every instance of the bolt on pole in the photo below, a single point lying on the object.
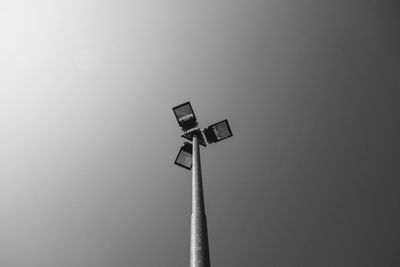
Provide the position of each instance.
(199, 251)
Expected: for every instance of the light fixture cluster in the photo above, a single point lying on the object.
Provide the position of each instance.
(189, 125)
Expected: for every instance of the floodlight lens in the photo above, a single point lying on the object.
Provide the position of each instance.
(184, 113)
(221, 130)
(184, 159)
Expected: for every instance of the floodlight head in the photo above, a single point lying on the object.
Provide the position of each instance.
(184, 157)
(185, 116)
(218, 132)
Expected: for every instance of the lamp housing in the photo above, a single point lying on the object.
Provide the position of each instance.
(184, 157)
(218, 131)
(185, 116)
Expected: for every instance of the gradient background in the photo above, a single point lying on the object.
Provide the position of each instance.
(88, 137)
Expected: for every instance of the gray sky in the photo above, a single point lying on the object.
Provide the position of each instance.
(88, 137)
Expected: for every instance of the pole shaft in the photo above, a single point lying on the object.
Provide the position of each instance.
(199, 252)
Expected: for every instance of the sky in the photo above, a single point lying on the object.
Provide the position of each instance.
(88, 137)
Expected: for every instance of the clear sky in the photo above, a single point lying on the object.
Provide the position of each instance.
(88, 137)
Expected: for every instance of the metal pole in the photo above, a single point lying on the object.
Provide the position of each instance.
(199, 254)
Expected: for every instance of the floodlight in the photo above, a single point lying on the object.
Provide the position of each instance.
(185, 116)
(184, 158)
(218, 132)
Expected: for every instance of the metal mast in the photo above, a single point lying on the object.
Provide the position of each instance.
(199, 252)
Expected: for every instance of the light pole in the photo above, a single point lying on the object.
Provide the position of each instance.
(199, 253)
(189, 158)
